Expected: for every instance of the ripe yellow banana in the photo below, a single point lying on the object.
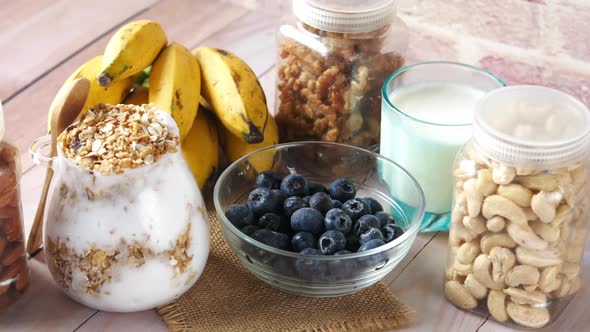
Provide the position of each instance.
(138, 96)
(201, 148)
(235, 94)
(175, 85)
(114, 94)
(131, 49)
(235, 147)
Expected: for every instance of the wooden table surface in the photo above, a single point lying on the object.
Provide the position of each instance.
(43, 41)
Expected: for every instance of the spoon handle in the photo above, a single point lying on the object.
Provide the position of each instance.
(36, 234)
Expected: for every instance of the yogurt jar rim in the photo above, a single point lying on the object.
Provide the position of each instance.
(402, 70)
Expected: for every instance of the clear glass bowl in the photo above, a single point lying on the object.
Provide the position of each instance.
(322, 162)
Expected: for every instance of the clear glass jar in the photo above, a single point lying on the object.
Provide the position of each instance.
(14, 266)
(521, 206)
(125, 241)
(333, 59)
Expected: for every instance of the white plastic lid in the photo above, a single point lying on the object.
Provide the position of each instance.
(1, 121)
(345, 16)
(532, 126)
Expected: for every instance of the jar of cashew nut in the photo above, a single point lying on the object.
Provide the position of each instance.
(14, 267)
(521, 207)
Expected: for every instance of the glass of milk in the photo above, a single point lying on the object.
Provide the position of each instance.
(427, 109)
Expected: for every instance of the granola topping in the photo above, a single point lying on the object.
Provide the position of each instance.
(110, 139)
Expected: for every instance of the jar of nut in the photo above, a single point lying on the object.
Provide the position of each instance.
(14, 267)
(521, 207)
(334, 56)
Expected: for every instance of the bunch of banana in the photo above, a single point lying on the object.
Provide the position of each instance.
(139, 67)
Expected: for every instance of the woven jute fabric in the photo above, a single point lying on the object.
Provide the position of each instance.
(228, 298)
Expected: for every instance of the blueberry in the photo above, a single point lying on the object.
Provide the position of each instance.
(342, 190)
(391, 232)
(365, 223)
(273, 239)
(384, 218)
(303, 240)
(307, 220)
(273, 222)
(306, 199)
(268, 179)
(352, 243)
(281, 197)
(321, 202)
(250, 229)
(293, 204)
(370, 234)
(338, 220)
(337, 203)
(239, 215)
(371, 245)
(342, 252)
(310, 269)
(315, 187)
(331, 242)
(263, 200)
(356, 208)
(373, 204)
(295, 185)
(341, 269)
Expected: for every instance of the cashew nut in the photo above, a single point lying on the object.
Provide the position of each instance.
(530, 288)
(475, 224)
(502, 261)
(524, 236)
(570, 270)
(522, 275)
(474, 198)
(564, 214)
(462, 269)
(489, 241)
(497, 305)
(467, 252)
(530, 215)
(544, 204)
(497, 205)
(522, 296)
(495, 224)
(538, 258)
(549, 279)
(476, 289)
(516, 193)
(527, 316)
(526, 171)
(459, 230)
(503, 174)
(541, 182)
(574, 253)
(485, 185)
(459, 296)
(467, 169)
(563, 290)
(548, 232)
(575, 285)
(451, 274)
(482, 272)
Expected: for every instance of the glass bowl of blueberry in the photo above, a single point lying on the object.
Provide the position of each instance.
(317, 218)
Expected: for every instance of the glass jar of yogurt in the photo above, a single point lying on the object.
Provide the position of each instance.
(333, 58)
(126, 226)
(521, 207)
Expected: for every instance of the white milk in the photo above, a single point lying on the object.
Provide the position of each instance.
(427, 149)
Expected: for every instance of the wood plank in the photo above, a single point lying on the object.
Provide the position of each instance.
(419, 244)
(185, 21)
(144, 321)
(574, 317)
(39, 35)
(420, 286)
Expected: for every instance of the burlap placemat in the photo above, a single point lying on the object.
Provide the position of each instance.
(229, 298)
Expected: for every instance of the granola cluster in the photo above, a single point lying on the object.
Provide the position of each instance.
(110, 139)
(334, 95)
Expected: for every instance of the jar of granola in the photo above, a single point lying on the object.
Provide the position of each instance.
(126, 227)
(14, 267)
(521, 207)
(334, 56)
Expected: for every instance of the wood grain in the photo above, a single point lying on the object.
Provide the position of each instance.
(37, 35)
(185, 21)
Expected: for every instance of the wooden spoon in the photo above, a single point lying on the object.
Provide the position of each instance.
(65, 108)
